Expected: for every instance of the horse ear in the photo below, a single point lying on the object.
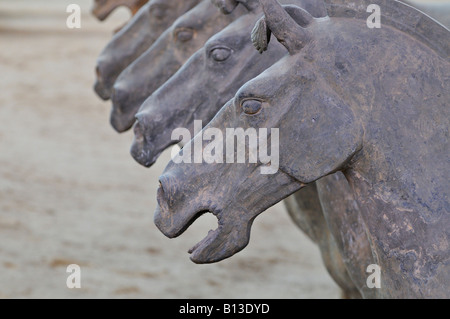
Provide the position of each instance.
(287, 24)
(261, 35)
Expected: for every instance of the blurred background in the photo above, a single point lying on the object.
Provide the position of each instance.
(70, 193)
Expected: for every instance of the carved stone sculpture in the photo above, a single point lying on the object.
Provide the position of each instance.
(136, 37)
(370, 103)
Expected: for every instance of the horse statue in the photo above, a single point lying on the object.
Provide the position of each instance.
(371, 104)
(134, 38)
(209, 79)
(156, 65)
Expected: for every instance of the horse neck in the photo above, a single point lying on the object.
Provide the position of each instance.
(398, 89)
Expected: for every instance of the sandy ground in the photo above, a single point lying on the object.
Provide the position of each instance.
(71, 193)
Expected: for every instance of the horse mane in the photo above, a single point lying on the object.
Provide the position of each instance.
(400, 16)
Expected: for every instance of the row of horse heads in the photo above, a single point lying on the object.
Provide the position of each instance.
(363, 123)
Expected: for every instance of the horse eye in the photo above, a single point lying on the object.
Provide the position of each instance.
(220, 54)
(251, 106)
(184, 35)
(158, 12)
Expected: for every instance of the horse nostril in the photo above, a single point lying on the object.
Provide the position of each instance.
(121, 98)
(161, 197)
(97, 72)
(122, 119)
(138, 130)
(139, 118)
(102, 82)
(226, 7)
(101, 69)
(100, 88)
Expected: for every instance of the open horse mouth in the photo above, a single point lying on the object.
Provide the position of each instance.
(229, 238)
